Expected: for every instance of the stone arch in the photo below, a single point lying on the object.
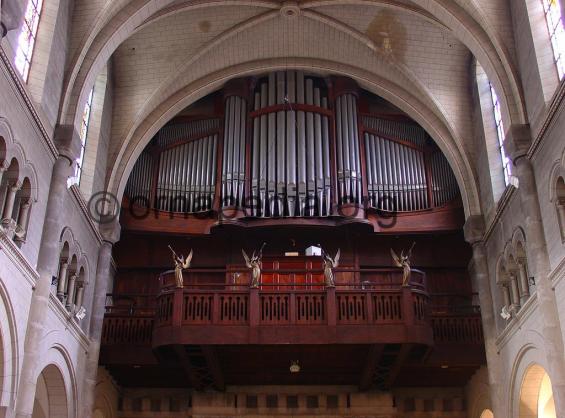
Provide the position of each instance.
(115, 25)
(536, 394)
(58, 358)
(51, 397)
(427, 117)
(557, 193)
(8, 349)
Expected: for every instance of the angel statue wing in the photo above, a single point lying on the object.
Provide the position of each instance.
(336, 258)
(186, 263)
(409, 255)
(246, 257)
(396, 259)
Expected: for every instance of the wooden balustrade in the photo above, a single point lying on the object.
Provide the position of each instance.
(292, 307)
(457, 329)
(127, 329)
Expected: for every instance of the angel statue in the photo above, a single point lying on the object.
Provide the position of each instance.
(329, 264)
(254, 263)
(180, 264)
(404, 263)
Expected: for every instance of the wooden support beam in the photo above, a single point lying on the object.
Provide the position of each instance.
(184, 361)
(398, 363)
(368, 372)
(214, 366)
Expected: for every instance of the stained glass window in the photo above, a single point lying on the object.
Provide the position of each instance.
(83, 135)
(26, 41)
(554, 20)
(501, 135)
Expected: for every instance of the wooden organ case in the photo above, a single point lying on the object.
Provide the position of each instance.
(294, 160)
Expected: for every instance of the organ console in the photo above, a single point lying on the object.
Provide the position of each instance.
(292, 145)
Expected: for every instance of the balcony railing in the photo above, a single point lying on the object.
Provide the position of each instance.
(377, 310)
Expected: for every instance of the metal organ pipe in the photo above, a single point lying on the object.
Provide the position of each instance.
(233, 168)
(349, 164)
(296, 181)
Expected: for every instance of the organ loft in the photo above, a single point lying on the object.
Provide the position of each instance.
(282, 209)
(292, 192)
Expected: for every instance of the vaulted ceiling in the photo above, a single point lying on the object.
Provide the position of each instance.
(415, 53)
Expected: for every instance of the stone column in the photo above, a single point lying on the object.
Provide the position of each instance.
(80, 295)
(517, 144)
(474, 230)
(71, 292)
(524, 282)
(9, 202)
(68, 144)
(23, 217)
(111, 235)
(515, 290)
(61, 284)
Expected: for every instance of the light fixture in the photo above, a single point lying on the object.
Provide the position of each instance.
(81, 313)
(294, 366)
(444, 366)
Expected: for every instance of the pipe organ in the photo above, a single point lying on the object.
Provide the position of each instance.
(291, 174)
(290, 144)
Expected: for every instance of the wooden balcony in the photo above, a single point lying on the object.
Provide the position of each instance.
(253, 316)
(209, 333)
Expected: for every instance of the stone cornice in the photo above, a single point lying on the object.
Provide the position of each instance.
(500, 209)
(517, 322)
(82, 204)
(558, 273)
(24, 95)
(8, 247)
(553, 110)
(68, 321)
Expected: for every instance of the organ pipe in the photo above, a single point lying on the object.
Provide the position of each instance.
(296, 179)
(233, 164)
(349, 164)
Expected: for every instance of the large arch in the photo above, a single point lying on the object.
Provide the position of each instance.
(536, 394)
(51, 398)
(438, 128)
(116, 23)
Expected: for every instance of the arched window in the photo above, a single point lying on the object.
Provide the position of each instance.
(554, 19)
(560, 205)
(85, 121)
(26, 41)
(501, 135)
(487, 413)
(536, 394)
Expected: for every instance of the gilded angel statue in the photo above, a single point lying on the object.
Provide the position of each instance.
(404, 263)
(254, 263)
(330, 264)
(181, 264)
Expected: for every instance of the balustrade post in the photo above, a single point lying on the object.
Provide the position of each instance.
(408, 306)
(331, 306)
(178, 306)
(370, 309)
(254, 307)
(292, 308)
(216, 308)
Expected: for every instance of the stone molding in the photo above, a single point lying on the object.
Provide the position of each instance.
(28, 104)
(517, 322)
(8, 247)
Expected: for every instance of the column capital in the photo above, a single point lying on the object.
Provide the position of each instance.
(111, 231)
(517, 142)
(67, 141)
(474, 229)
